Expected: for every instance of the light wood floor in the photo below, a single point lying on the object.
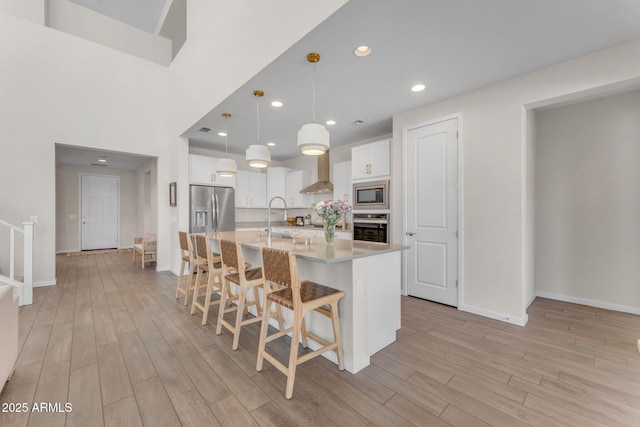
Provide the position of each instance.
(111, 340)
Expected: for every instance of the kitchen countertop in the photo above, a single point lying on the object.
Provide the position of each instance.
(257, 224)
(318, 251)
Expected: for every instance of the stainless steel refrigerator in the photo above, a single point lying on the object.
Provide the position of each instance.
(212, 209)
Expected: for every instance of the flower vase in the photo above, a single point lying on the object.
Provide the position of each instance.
(329, 233)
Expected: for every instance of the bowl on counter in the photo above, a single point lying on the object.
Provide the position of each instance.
(291, 220)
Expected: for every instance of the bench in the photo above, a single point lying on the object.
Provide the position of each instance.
(147, 247)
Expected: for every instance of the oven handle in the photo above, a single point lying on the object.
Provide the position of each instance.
(370, 224)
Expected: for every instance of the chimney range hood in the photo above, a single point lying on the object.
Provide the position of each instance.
(323, 185)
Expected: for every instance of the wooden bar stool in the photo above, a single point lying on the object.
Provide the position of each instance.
(280, 267)
(234, 270)
(208, 263)
(188, 256)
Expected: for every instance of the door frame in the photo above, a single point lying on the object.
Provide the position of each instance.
(80, 175)
(460, 254)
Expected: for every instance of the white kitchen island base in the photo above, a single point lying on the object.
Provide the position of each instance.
(369, 311)
(369, 274)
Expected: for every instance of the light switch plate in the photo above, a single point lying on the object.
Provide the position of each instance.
(34, 219)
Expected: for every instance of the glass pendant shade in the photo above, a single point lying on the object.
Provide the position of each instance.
(313, 139)
(226, 167)
(258, 156)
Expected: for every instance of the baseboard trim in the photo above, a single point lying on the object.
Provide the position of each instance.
(70, 251)
(161, 269)
(45, 283)
(591, 303)
(531, 300)
(519, 321)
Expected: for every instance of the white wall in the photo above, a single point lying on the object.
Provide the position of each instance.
(68, 204)
(31, 10)
(60, 89)
(147, 186)
(494, 137)
(77, 20)
(588, 201)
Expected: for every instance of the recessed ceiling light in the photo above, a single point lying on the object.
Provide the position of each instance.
(102, 160)
(362, 51)
(331, 122)
(277, 104)
(222, 134)
(271, 144)
(418, 88)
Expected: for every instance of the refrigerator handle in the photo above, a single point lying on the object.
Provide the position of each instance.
(215, 212)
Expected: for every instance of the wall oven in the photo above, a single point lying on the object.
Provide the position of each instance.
(371, 227)
(371, 195)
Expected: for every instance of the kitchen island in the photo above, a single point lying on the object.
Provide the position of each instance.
(369, 274)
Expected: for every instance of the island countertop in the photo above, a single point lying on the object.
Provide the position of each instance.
(318, 251)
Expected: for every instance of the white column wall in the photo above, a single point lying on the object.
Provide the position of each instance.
(494, 173)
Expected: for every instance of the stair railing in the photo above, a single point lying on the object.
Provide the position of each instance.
(24, 288)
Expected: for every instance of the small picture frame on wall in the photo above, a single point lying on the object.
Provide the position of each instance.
(173, 201)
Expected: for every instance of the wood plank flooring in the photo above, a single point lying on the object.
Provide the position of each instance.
(111, 340)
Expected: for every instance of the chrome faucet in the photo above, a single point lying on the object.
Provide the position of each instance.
(269, 217)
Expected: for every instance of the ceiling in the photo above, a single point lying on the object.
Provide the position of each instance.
(89, 157)
(450, 46)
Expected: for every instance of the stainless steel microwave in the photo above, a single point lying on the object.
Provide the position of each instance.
(371, 195)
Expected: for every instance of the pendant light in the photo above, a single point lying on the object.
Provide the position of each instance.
(226, 167)
(313, 138)
(257, 155)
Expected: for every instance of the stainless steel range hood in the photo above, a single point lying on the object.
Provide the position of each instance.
(323, 185)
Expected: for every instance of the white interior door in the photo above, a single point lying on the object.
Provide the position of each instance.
(99, 206)
(431, 207)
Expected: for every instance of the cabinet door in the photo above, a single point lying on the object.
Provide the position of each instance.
(296, 181)
(222, 181)
(258, 190)
(201, 169)
(251, 189)
(379, 159)
(342, 186)
(276, 185)
(360, 158)
(370, 160)
(243, 188)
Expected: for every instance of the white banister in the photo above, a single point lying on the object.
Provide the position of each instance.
(24, 288)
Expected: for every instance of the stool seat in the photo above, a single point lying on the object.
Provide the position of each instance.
(309, 291)
(253, 274)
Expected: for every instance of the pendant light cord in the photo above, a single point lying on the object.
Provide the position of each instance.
(258, 114)
(313, 96)
(226, 143)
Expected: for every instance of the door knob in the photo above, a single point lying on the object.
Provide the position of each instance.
(409, 233)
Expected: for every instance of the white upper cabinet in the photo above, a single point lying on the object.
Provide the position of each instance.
(276, 178)
(202, 170)
(296, 181)
(251, 189)
(342, 186)
(370, 160)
